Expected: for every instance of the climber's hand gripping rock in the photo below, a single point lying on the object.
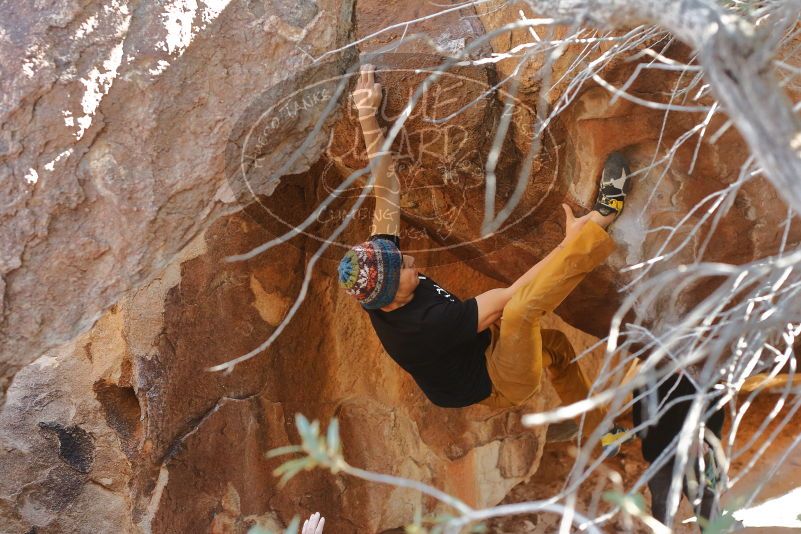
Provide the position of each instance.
(386, 186)
(367, 94)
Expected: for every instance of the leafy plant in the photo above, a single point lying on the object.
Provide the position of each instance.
(292, 528)
(320, 451)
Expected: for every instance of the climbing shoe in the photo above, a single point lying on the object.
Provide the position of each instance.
(615, 184)
(613, 439)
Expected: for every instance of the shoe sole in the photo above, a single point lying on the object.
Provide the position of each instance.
(615, 165)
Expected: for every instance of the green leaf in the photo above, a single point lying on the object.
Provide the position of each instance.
(332, 437)
(631, 503)
(292, 528)
(614, 497)
(309, 432)
(302, 424)
(290, 465)
(418, 514)
(638, 500)
(719, 525)
(280, 451)
(290, 473)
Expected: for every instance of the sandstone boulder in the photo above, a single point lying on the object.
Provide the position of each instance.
(123, 425)
(115, 122)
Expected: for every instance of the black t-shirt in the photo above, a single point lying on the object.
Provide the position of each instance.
(657, 438)
(433, 337)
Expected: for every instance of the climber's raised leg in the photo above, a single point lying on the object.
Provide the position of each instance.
(520, 349)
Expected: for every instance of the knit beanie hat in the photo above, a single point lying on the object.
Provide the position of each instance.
(370, 271)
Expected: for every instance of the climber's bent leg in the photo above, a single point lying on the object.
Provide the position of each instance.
(566, 375)
(515, 355)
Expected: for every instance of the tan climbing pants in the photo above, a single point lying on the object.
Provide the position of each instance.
(520, 349)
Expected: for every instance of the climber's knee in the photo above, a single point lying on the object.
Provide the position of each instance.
(519, 309)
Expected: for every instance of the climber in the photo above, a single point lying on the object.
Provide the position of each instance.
(489, 349)
(674, 397)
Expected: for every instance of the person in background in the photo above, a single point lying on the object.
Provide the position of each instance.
(674, 398)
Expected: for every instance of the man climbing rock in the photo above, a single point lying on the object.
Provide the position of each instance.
(489, 349)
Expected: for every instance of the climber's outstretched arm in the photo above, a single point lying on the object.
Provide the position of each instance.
(386, 186)
(490, 306)
(367, 98)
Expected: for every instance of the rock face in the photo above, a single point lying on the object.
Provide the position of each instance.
(123, 428)
(115, 122)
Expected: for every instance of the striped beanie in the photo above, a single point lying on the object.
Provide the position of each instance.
(370, 271)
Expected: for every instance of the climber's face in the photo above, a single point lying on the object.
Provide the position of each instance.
(408, 279)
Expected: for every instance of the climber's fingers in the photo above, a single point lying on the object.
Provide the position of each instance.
(367, 73)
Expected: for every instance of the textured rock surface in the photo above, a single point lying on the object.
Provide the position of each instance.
(115, 120)
(123, 426)
(82, 165)
(126, 415)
